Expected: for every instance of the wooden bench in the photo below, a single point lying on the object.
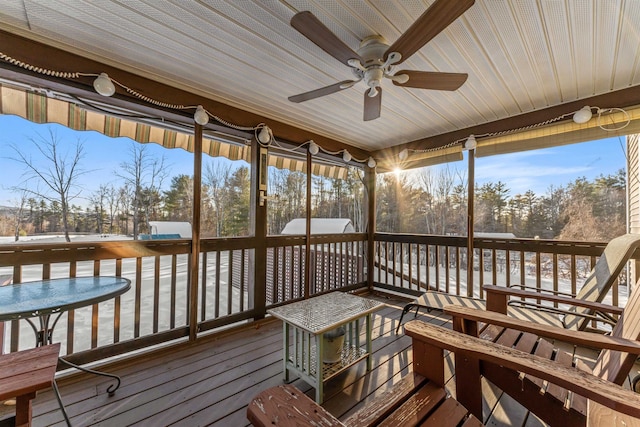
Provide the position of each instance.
(23, 374)
(412, 401)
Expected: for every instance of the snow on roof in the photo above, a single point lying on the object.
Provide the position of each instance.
(495, 235)
(171, 227)
(319, 226)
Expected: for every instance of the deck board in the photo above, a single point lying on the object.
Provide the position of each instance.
(211, 381)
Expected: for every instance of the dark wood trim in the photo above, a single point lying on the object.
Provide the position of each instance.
(44, 56)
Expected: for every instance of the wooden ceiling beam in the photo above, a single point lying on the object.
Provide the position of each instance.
(44, 56)
(620, 98)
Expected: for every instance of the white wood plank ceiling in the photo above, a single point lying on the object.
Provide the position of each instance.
(521, 55)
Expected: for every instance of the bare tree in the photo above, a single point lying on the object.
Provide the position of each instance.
(145, 175)
(18, 212)
(54, 173)
(216, 178)
(99, 199)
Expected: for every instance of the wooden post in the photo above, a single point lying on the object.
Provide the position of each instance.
(195, 233)
(370, 187)
(307, 250)
(258, 221)
(470, 202)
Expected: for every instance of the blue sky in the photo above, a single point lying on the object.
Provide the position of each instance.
(531, 170)
(538, 169)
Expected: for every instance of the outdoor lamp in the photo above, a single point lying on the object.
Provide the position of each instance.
(264, 135)
(313, 148)
(346, 156)
(201, 116)
(583, 115)
(403, 155)
(470, 143)
(103, 85)
(371, 163)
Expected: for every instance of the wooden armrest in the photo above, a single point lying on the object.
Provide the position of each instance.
(534, 289)
(588, 339)
(286, 405)
(598, 306)
(585, 384)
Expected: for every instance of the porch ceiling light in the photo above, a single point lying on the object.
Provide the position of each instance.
(346, 156)
(103, 85)
(470, 143)
(403, 155)
(583, 115)
(264, 136)
(313, 148)
(201, 116)
(371, 163)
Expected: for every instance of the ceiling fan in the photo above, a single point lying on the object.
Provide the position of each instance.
(375, 59)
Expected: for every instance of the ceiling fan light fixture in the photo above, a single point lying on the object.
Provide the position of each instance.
(371, 163)
(470, 143)
(400, 78)
(313, 148)
(264, 135)
(403, 155)
(583, 115)
(103, 85)
(346, 156)
(201, 116)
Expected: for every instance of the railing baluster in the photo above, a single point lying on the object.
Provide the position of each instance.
(172, 315)
(203, 285)
(117, 306)
(229, 281)
(156, 293)
(457, 270)
(138, 298)
(555, 276)
(446, 268)
(216, 299)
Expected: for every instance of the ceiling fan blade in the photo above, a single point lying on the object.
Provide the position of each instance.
(435, 19)
(327, 90)
(311, 27)
(372, 105)
(432, 80)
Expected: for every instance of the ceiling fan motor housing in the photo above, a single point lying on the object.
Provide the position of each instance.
(372, 50)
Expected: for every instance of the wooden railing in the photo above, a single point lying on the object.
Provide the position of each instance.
(412, 264)
(156, 308)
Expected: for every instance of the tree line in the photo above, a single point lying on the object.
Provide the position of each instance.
(51, 198)
(593, 210)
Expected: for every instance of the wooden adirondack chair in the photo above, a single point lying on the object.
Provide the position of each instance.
(609, 404)
(553, 404)
(595, 287)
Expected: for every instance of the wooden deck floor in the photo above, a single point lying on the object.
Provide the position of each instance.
(210, 382)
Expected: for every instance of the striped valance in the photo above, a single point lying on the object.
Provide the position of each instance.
(39, 108)
(616, 122)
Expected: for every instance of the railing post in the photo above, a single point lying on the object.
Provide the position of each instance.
(307, 249)
(259, 173)
(470, 214)
(370, 186)
(195, 233)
